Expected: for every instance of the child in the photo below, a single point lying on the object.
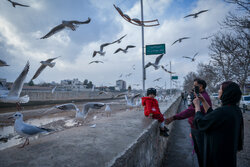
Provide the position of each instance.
(151, 108)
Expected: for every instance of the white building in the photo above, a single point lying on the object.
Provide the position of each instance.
(72, 85)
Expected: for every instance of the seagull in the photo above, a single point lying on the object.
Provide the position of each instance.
(124, 50)
(130, 101)
(158, 79)
(26, 130)
(14, 93)
(53, 90)
(195, 15)
(120, 39)
(170, 72)
(128, 74)
(70, 24)
(18, 4)
(3, 63)
(180, 40)
(101, 52)
(120, 76)
(133, 67)
(106, 93)
(43, 66)
(90, 105)
(155, 64)
(97, 61)
(192, 59)
(93, 88)
(67, 106)
(207, 37)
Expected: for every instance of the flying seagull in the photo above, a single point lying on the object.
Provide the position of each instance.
(124, 50)
(158, 79)
(3, 63)
(26, 130)
(195, 15)
(128, 75)
(130, 101)
(133, 67)
(192, 59)
(53, 90)
(120, 76)
(43, 66)
(120, 39)
(97, 61)
(207, 37)
(70, 24)
(90, 105)
(14, 93)
(180, 40)
(155, 64)
(170, 72)
(18, 4)
(101, 52)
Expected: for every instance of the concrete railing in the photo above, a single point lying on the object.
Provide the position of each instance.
(150, 147)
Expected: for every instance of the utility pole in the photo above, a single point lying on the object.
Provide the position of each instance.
(142, 33)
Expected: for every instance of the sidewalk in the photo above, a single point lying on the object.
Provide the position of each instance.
(179, 151)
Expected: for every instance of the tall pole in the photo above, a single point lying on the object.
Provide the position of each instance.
(170, 79)
(142, 34)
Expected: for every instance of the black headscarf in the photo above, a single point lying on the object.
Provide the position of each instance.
(231, 94)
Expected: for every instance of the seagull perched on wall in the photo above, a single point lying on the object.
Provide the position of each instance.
(14, 93)
(120, 39)
(180, 40)
(14, 4)
(192, 59)
(195, 15)
(69, 24)
(3, 63)
(43, 66)
(124, 50)
(156, 63)
(26, 130)
(97, 61)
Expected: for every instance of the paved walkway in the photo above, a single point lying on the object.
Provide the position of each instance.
(179, 151)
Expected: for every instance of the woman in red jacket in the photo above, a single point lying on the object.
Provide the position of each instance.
(151, 109)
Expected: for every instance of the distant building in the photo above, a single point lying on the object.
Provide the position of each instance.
(2, 82)
(72, 85)
(121, 84)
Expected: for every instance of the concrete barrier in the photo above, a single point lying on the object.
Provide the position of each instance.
(149, 148)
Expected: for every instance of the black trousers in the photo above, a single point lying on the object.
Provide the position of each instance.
(198, 139)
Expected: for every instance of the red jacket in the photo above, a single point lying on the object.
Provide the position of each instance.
(151, 106)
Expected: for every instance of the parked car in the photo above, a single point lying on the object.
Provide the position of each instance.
(245, 102)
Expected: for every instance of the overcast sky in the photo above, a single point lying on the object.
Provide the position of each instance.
(21, 28)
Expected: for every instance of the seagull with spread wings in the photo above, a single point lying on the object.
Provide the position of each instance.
(16, 88)
(43, 66)
(195, 15)
(124, 50)
(170, 72)
(192, 59)
(158, 79)
(97, 61)
(128, 75)
(3, 63)
(120, 39)
(69, 24)
(14, 4)
(207, 37)
(156, 63)
(180, 40)
(101, 52)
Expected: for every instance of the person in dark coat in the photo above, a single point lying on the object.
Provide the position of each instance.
(222, 127)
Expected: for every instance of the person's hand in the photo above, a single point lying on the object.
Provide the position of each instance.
(169, 120)
(196, 103)
(202, 99)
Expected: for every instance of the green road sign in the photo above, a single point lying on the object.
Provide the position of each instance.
(155, 49)
(174, 77)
